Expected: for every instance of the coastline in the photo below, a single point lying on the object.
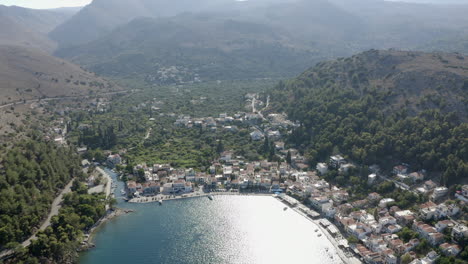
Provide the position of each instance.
(87, 242)
(159, 197)
(298, 207)
(289, 201)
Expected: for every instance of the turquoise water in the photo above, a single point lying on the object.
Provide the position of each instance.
(229, 229)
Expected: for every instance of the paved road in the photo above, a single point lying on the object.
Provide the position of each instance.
(108, 188)
(54, 210)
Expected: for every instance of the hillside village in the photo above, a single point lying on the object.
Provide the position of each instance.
(379, 231)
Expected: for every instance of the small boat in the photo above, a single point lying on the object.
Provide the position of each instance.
(316, 230)
(319, 235)
(122, 192)
(284, 209)
(160, 202)
(210, 197)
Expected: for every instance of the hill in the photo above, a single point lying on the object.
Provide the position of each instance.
(383, 107)
(29, 27)
(30, 74)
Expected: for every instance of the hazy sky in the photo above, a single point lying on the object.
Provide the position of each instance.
(42, 4)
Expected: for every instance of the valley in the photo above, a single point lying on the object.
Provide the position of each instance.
(352, 113)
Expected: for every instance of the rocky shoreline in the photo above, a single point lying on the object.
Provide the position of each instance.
(87, 242)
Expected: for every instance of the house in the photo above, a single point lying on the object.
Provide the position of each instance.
(428, 210)
(131, 187)
(274, 134)
(279, 145)
(442, 225)
(439, 192)
(344, 168)
(464, 191)
(430, 258)
(321, 203)
(226, 156)
(336, 161)
(113, 160)
(429, 185)
(400, 169)
(460, 231)
(404, 217)
(447, 210)
(322, 168)
(385, 202)
(256, 135)
(150, 188)
(451, 250)
(417, 176)
(85, 163)
(371, 178)
(374, 196)
(435, 238)
(359, 230)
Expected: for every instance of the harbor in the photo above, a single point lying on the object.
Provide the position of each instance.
(321, 226)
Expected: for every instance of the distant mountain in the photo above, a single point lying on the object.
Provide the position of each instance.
(236, 40)
(192, 47)
(29, 27)
(102, 16)
(30, 74)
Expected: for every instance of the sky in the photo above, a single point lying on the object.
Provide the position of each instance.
(45, 4)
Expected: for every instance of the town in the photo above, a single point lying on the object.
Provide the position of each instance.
(376, 228)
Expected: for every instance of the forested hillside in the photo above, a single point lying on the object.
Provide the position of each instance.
(383, 107)
(31, 175)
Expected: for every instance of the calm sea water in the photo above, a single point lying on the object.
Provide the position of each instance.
(229, 229)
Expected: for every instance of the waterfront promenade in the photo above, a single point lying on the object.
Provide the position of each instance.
(162, 197)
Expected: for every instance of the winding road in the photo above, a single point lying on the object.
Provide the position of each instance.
(54, 210)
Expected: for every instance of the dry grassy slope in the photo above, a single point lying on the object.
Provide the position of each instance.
(30, 74)
(13, 33)
(29, 27)
(415, 79)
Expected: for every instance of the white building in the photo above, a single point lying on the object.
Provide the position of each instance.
(371, 178)
(439, 192)
(256, 135)
(336, 161)
(322, 168)
(385, 202)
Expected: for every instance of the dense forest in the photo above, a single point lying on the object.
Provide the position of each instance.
(59, 242)
(354, 107)
(31, 175)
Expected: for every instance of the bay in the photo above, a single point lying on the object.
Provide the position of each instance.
(227, 229)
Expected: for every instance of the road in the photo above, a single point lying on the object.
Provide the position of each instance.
(54, 210)
(21, 102)
(148, 134)
(108, 188)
